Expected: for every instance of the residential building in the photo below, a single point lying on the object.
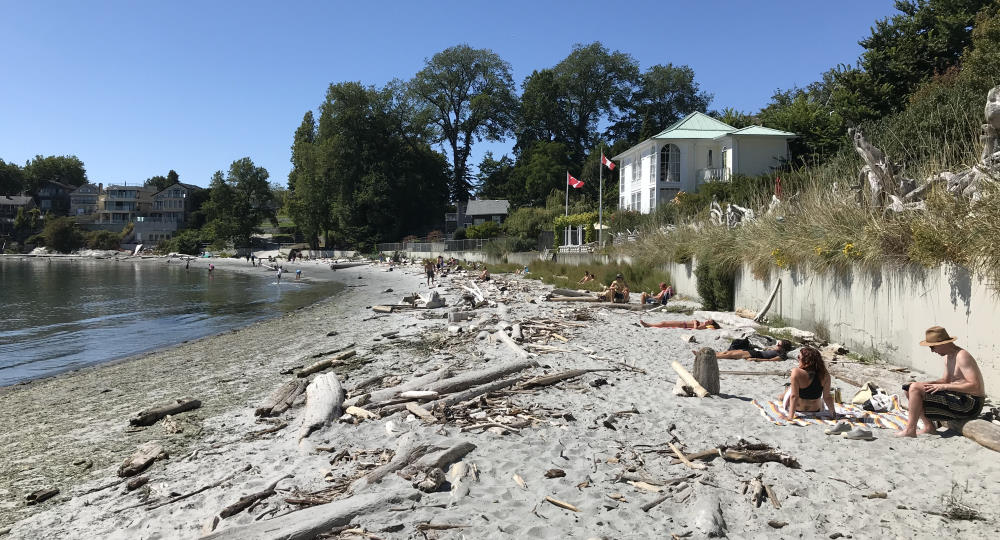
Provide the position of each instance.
(122, 204)
(9, 205)
(695, 150)
(475, 212)
(83, 201)
(53, 197)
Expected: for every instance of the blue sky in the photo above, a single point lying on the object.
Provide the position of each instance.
(136, 88)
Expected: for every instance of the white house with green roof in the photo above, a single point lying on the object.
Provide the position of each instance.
(695, 150)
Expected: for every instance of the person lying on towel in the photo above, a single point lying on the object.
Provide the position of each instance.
(957, 395)
(742, 349)
(810, 387)
(693, 324)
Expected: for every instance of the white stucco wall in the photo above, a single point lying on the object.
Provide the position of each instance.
(883, 312)
(759, 155)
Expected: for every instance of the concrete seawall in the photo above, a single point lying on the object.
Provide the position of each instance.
(882, 314)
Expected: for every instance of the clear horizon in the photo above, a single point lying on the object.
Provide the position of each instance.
(135, 90)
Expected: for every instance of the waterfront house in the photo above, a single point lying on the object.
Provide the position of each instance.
(119, 205)
(167, 213)
(53, 197)
(475, 212)
(83, 201)
(695, 150)
(9, 205)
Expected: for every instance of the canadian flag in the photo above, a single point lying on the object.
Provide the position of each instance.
(573, 182)
(605, 161)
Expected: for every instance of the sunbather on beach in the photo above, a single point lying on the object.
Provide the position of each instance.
(659, 298)
(957, 395)
(484, 275)
(742, 349)
(587, 276)
(810, 386)
(616, 292)
(693, 324)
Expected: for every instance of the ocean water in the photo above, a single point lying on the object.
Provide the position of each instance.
(61, 314)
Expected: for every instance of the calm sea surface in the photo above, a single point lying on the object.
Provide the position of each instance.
(57, 315)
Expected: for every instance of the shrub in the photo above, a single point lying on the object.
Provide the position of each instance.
(487, 229)
(103, 240)
(716, 286)
(187, 242)
(459, 234)
(435, 236)
(62, 235)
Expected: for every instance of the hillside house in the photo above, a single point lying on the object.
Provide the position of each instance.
(695, 150)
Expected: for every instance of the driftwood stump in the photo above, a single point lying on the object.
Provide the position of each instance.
(706, 370)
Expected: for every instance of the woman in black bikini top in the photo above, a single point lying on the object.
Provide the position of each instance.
(810, 382)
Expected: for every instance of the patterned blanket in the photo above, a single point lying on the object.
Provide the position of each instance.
(894, 418)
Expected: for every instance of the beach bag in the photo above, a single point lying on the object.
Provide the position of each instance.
(879, 402)
(863, 395)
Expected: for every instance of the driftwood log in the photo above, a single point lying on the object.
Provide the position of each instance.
(408, 449)
(385, 394)
(688, 379)
(981, 431)
(248, 500)
(511, 344)
(149, 417)
(281, 398)
(326, 363)
(311, 522)
(706, 370)
(475, 378)
(143, 457)
(438, 459)
(461, 476)
(324, 402)
(473, 392)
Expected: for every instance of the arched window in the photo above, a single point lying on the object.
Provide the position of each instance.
(670, 163)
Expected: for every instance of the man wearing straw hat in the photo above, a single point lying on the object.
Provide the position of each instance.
(958, 395)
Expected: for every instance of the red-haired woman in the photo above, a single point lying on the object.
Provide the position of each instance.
(810, 386)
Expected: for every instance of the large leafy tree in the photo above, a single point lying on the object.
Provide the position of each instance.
(309, 192)
(820, 130)
(664, 95)
(596, 84)
(65, 169)
(495, 177)
(159, 183)
(469, 96)
(12, 179)
(239, 202)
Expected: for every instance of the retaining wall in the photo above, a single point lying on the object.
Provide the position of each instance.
(881, 314)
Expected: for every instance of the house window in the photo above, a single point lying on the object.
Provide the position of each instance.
(709, 159)
(670, 163)
(636, 200)
(621, 203)
(652, 165)
(636, 165)
(652, 198)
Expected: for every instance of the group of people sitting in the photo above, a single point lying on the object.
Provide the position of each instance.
(959, 394)
(618, 291)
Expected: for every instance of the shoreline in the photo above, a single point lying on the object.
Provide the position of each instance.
(596, 429)
(221, 263)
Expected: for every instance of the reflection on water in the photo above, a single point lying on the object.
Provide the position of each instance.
(60, 314)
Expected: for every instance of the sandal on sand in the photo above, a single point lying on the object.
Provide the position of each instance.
(841, 427)
(859, 434)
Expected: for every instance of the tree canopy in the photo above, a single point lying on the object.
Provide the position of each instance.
(65, 169)
(239, 202)
(468, 95)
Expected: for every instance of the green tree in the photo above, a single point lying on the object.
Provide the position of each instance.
(495, 177)
(158, 183)
(544, 111)
(664, 95)
(240, 202)
(173, 177)
(309, 192)
(65, 169)
(487, 229)
(734, 117)
(540, 171)
(820, 130)
(62, 235)
(187, 242)
(12, 179)
(469, 96)
(596, 84)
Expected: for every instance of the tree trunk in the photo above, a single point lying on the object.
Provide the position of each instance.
(706, 370)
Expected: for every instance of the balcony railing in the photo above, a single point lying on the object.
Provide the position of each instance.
(712, 175)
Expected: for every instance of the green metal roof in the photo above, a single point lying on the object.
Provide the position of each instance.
(695, 126)
(761, 130)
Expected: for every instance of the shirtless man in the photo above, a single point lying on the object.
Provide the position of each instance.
(958, 395)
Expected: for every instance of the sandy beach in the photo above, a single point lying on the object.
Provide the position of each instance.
(597, 442)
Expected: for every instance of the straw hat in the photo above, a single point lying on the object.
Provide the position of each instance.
(936, 335)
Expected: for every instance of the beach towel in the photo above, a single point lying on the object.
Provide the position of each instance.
(894, 418)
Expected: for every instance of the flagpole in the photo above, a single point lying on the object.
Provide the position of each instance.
(567, 193)
(600, 201)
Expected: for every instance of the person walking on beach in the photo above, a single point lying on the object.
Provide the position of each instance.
(187, 264)
(429, 271)
(279, 274)
(957, 395)
(253, 260)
